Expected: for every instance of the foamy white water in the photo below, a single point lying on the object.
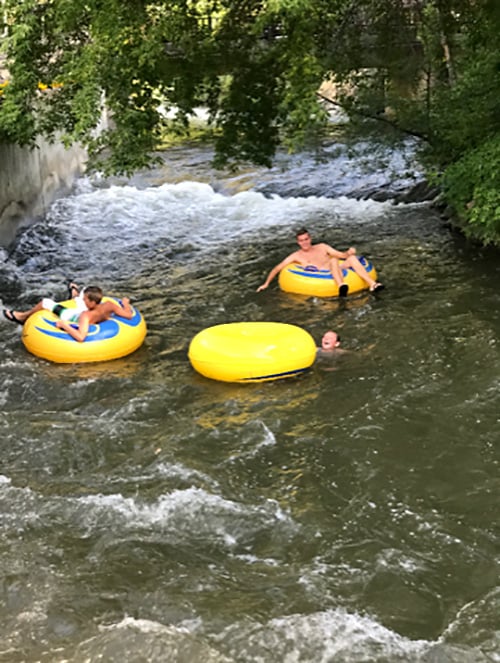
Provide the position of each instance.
(150, 514)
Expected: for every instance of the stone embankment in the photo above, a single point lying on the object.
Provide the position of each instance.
(31, 178)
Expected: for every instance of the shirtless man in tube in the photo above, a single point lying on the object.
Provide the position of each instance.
(323, 256)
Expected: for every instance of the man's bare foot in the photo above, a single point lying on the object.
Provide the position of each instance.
(376, 287)
(12, 317)
(73, 290)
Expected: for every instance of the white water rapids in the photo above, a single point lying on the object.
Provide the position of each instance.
(350, 515)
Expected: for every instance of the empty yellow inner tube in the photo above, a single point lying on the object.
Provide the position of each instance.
(252, 351)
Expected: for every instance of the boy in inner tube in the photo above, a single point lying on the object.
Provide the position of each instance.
(89, 310)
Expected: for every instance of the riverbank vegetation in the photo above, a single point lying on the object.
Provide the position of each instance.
(428, 67)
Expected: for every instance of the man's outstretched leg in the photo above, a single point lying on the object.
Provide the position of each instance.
(21, 316)
(336, 271)
(353, 261)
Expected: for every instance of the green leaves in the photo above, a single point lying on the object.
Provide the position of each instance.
(255, 64)
(472, 185)
(429, 68)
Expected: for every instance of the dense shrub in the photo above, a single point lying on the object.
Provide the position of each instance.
(472, 186)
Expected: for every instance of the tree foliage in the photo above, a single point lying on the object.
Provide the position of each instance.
(255, 65)
(472, 185)
(431, 67)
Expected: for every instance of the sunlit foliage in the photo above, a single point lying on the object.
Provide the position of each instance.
(429, 67)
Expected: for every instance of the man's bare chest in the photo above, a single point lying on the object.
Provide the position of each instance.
(316, 256)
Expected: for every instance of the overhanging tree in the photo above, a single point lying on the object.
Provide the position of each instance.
(430, 67)
(254, 64)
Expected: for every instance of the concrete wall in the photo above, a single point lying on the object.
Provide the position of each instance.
(30, 179)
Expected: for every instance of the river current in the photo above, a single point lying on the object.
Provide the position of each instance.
(348, 515)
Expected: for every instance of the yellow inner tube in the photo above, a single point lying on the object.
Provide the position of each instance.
(319, 282)
(252, 351)
(110, 339)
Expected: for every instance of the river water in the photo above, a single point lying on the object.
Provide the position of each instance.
(349, 515)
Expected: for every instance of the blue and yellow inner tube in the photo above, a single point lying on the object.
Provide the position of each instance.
(110, 339)
(320, 282)
(252, 351)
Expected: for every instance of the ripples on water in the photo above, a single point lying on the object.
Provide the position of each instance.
(349, 515)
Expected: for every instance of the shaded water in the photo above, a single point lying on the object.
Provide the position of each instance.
(149, 514)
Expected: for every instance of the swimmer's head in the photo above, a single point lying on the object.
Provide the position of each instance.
(330, 340)
(92, 296)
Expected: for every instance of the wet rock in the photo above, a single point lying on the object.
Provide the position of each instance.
(420, 193)
(451, 654)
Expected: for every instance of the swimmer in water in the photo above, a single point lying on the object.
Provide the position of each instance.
(330, 341)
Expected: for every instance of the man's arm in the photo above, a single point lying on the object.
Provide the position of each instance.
(79, 334)
(124, 310)
(277, 269)
(342, 255)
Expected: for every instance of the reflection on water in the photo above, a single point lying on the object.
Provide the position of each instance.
(148, 513)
